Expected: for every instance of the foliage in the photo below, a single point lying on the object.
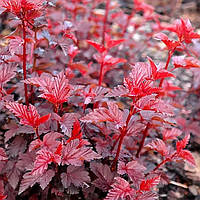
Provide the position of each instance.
(72, 127)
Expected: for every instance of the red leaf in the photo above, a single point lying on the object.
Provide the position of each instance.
(71, 36)
(121, 189)
(171, 134)
(151, 103)
(100, 48)
(146, 195)
(159, 146)
(184, 30)
(44, 157)
(186, 155)
(105, 178)
(74, 175)
(79, 66)
(110, 61)
(16, 45)
(182, 143)
(28, 181)
(28, 115)
(147, 185)
(44, 118)
(93, 93)
(185, 62)
(111, 43)
(158, 73)
(171, 45)
(134, 170)
(46, 178)
(49, 141)
(76, 132)
(7, 72)
(58, 151)
(72, 155)
(72, 52)
(112, 114)
(3, 155)
(2, 196)
(55, 89)
(66, 123)
(118, 91)
(139, 81)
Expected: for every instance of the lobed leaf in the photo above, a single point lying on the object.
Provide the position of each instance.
(54, 89)
(44, 157)
(148, 184)
(112, 114)
(28, 115)
(105, 178)
(77, 176)
(159, 146)
(7, 72)
(182, 143)
(46, 178)
(121, 189)
(134, 170)
(72, 155)
(171, 134)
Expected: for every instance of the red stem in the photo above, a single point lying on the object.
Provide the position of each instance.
(145, 133)
(123, 134)
(101, 74)
(24, 62)
(37, 133)
(162, 163)
(170, 53)
(34, 67)
(105, 21)
(56, 110)
(117, 139)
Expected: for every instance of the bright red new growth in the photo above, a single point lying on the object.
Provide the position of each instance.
(28, 115)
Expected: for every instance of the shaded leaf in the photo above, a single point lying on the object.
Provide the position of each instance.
(134, 170)
(13, 174)
(105, 178)
(74, 175)
(18, 145)
(28, 181)
(46, 178)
